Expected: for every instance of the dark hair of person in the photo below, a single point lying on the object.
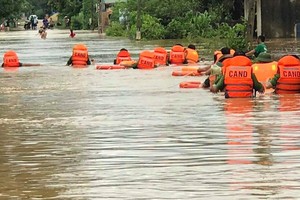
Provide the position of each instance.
(123, 49)
(215, 58)
(262, 38)
(191, 46)
(296, 56)
(239, 53)
(225, 50)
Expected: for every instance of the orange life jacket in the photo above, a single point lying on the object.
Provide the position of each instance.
(177, 55)
(191, 55)
(10, 59)
(289, 81)
(264, 71)
(123, 55)
(160, 55)
(146, 60)
(238, 81)
(236, 61)
(80, 55)
(288, 61)
(289, 70)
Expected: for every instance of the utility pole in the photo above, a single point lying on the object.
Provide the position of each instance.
(250, 17)
(138, 21)
(92, 16)
(100, 28)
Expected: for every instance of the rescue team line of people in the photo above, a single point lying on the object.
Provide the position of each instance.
(232, 72)
(159, 57)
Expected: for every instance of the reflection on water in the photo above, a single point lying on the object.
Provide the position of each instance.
(71, 133)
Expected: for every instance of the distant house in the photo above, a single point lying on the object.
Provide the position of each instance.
(278, 18)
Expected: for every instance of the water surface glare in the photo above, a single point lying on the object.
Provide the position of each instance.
(81, 134)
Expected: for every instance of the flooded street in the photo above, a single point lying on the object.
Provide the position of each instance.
(78, 134)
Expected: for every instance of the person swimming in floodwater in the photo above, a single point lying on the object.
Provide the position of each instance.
(10, 59)
(42, 32)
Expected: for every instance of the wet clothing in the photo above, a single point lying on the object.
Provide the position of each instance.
(238, 82)
(10, 59)
(161, 56)
(146, 60)
(216, 69)
(191, 56)
(72, 34)
(123, 55)
(177, 55)
(70, 61)
(20, 65)
(220, 83)
(287, 79)
(260, 48)
(79, 56)
(238, 78)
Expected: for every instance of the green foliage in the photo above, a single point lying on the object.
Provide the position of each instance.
(151, 28)
(178, 19)
(40, 13)
(176, 29)
(234, 36)
(166, 11)
(132, 32)
(199, 24)
(90, 14)
(9, 8)
(66, 7)
(115, 29)
(77, 21)
(191, 25)
(118, 9)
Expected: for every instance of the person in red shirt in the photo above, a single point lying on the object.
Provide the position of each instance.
(72, 34)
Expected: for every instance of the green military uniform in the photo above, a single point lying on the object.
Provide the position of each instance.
(261, 48)
(219, 83)
(274, 80)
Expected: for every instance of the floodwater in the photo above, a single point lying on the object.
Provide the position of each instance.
(85, 134)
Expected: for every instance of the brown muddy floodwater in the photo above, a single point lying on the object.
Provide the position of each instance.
(88, 134)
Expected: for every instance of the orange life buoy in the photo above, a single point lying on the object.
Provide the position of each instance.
(109, 67)
(190, 68)
(185, 73)
(190, 84)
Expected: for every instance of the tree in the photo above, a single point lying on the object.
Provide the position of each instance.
(11, 7)
(66, 7)
(89, 13)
